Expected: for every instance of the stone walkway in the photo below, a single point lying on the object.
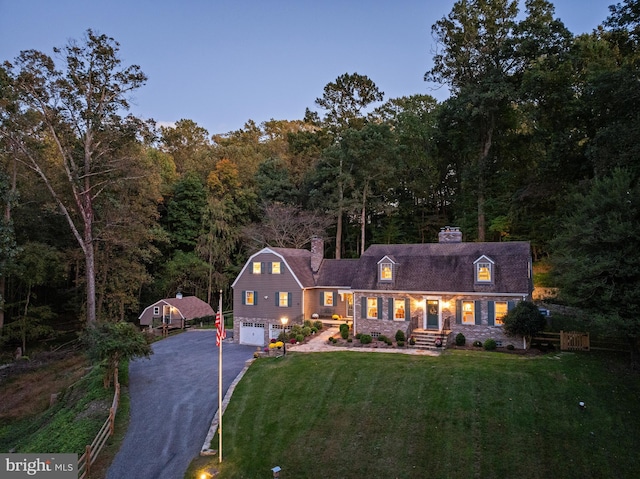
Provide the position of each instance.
(320, 344)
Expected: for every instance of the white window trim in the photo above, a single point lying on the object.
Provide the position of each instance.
(484, 260)
(246, 298)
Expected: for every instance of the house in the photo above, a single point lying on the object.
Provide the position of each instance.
(447, 287)
(174, 312)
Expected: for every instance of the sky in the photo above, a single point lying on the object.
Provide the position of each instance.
(221, 63)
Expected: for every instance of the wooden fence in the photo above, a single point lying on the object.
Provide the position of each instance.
(566, 340)
(574, 341)
(92, 450)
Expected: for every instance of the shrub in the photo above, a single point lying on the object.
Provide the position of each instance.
(477, 344)
(490, 344)
(383, 338)
(314, 330)
(460, 339)
(299, 338)
(358, 336)
(524, 320)
(365, 338)
(344, 334)
(308, 323)
(510, 347)
(401, 344)
(344, 327)
(349, 340)
(306, 331)
(400, 335)
(318, 325)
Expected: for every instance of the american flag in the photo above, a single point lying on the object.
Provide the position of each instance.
(221, 333)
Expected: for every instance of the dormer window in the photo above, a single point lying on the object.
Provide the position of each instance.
(386, 272)
(484, 270)
(385, 269)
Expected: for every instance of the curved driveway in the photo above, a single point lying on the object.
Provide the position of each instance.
(174, 396)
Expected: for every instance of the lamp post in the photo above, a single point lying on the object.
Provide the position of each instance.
(284, 320)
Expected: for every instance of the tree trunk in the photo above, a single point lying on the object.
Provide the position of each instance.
(482, 161)
(7, 219)
(363, 220)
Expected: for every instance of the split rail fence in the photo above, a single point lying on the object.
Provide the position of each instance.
(92, 450)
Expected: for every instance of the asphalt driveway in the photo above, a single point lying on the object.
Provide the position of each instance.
(174, 396)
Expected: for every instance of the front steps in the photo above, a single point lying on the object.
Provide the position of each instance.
(426, 339)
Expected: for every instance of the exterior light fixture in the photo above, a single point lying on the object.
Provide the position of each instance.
(284, 320)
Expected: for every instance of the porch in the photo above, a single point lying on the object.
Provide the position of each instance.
(429, 338)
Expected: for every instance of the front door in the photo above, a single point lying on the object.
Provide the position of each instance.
(433, 308)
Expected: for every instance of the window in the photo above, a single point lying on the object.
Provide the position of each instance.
(156, 310)
(257, 267)
(283, 299)
(399, 313)
(483, 272)
(386, 272)
(250, 298)
(327, 298)
(372, 308)
(468, 312)
(275, 267)
(501, 309)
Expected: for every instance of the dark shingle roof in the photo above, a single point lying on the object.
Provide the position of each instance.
(446, 267)
(337, 272)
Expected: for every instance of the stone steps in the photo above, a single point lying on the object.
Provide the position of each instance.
(426, 339)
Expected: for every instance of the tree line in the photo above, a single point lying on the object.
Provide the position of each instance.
(104, 213)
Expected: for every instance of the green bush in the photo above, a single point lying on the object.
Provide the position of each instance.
(490, 344)
(308, 323)
(358, 336)
(299, 338)
(344, 327)
(306, 331)
(477, 344)
(460, 339)
(314, 330)
(401, 344)
(510, 347)
(524, 320)
(383, 339)
(349, 340)
(344, 333)
(366, 338)
(400, 335)
(318, 325)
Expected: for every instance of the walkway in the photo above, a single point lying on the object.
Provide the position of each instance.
(319, 343)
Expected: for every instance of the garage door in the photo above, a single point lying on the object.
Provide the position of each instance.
(252, 334)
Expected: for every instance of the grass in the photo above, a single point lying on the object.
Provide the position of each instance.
(461, 415)
(29, 424)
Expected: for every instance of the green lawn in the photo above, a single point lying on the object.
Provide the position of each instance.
(461, 415)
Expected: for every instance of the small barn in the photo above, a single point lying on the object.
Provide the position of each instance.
(174, 312)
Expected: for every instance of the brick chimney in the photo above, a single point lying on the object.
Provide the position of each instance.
(317, 253)
(450, 234)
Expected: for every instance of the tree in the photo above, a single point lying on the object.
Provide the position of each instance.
(345, 100)
(524, 320)
(184, 212)
(109, 343)
(68, 129)
(189, 146)
(286, 226)
(485, 52)
(596, 254)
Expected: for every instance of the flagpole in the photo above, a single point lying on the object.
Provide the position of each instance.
(221, 327)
